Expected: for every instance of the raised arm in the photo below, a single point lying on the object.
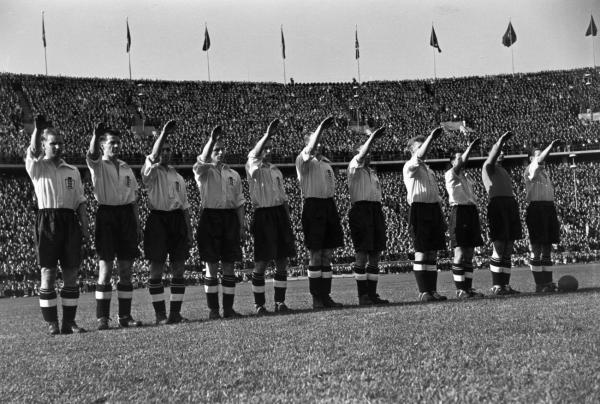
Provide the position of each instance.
(160, 140)
(94, 150)
(36, 137)
(497, 148)
(315, 137)
(364, 149)
(268, 134)
(542, 156)
(437, 132)
(208, 147)
(465, 156)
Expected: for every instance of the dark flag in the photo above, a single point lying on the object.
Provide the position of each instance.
(433, 40)
(206, 45)
(128, 38)
(282, 44)
(592, 30)
(356, 46)
(509, 37)
(43, 31)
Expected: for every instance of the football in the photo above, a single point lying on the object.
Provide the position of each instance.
(567, 283)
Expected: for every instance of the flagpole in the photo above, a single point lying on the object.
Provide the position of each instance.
(208, 65)
(512, 55)
(129, 55)
(284, 76)
(45, 55)
(434, 65)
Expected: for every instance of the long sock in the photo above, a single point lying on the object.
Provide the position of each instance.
(326, 276)
(496, 270)
(228, 287)
(468, 268)
(124, 294)
(431, 275)
(419, 270)
(69, 297)
(506, 269)
(258, 288)
(48, 302)
(280, 285)
(103, 295)
(547, 270)
(314, 280)
(361, 280)
(458, 274)
(536, 270)
(177, 292)
(372, 279)
(157, 294)
(211, 288)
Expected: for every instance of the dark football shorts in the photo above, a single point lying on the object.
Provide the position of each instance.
(218, 235)
(272, 232)
(116, 233)
(542, 222)
(58, 238)
(367, 226)
(321, 224)
(464, 227)
(503, 219)
(166, 234)
(427, 226)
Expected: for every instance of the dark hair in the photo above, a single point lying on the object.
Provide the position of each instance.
(532, 151)
(49, 131)
(109, 132)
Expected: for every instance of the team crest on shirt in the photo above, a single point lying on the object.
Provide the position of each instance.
(330, 173)
(231, 181)
(128, 181)
(69, 181)
(177, 186)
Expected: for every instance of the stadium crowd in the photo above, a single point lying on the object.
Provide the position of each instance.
(576, 201)
(536, 106)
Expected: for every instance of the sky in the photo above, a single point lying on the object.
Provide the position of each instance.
(88, 38)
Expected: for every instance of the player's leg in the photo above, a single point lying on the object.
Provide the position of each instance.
(69, 296)
(535, 264)
(419, 270)
(211, 289)
(157, 291)
(280, 284)
(258, 286)
(103, 293)
(373, 277)
(314, 277)
(125, 294)
(546, 261)
(467, 261)
(360, 274)
(432, 274)
(507, 267)
(177, 292)
(326, 278)
(498, 247)
(48, 299)
(47, 255)
(458, 273)
(228, 288)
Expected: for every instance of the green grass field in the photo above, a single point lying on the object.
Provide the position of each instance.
(530, 348)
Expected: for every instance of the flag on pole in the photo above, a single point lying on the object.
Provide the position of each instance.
(433, 42)
(591, 30)
(43, 31)
(509, 37)
(128, 37)
(282, 44)
(356, 45)
(206, 45)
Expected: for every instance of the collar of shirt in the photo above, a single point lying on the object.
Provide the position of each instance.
(121, 162)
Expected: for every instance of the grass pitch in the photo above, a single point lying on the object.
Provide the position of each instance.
(530, 348)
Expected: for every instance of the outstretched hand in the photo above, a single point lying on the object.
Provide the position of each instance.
(506, 136)
(379, 132)
(327, 122)
(40, 122)
(169, 126)
(475, 142)
(437, 132)
(272, 128)
(556, 142)
(99, 129)
(216, 133)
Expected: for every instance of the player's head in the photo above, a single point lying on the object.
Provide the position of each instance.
(414, 143)
(265, 153)
(455, 159)
(218, 152)
(534, 152)
(318, 151)
(166, 153)
(111, 143)
(53, 143)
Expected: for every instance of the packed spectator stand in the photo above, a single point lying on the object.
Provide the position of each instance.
(537, 107)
